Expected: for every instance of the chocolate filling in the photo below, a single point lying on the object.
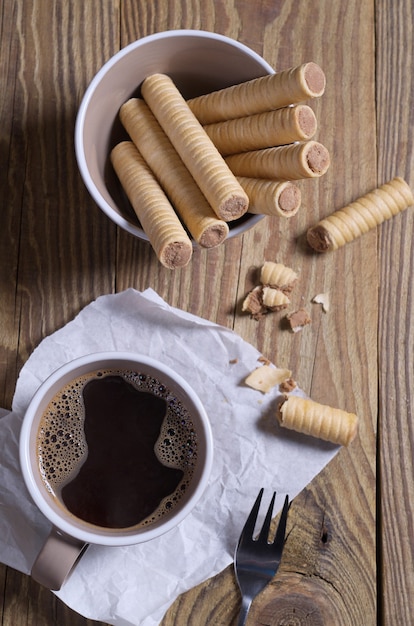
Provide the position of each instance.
(319, 238)
(177, 254)
(307, 121)
(214, 235)
(317, 158)
(234, 207)
(290, 199)
(315, 79)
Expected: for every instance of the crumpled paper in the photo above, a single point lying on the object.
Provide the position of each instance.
(135, 585)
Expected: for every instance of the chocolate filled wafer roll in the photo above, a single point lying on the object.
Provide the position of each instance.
(268, 197)
(208, 168)
(272, 91)
(263, 130)
(191, 205)
(309, 159)
(167, 236)
(357, 218)
(306, 416)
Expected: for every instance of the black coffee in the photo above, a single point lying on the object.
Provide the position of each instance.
(117, 449)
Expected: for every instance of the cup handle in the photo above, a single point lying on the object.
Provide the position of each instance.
(57, 559)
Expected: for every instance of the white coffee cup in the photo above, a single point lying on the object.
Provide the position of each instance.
(70, 535)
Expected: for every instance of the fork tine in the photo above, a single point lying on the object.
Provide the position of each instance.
(281, 529)
(264, 532)
(248, 528)
(257, 561)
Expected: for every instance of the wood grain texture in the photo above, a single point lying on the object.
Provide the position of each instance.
(12, 154)
(58, 253)
(395, 119)
(337, 354)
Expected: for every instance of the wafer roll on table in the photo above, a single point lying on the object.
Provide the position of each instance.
(269, 197)
(263, 130)
(167, 236)
(159, 153)
(308, 159)
(357, 218)
(311, 418)
(272, 91)
(225, 195)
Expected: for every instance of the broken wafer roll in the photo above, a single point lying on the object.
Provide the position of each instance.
(264, 299)
(167, 236)
(306, 416)
(263, 130)
(274, 299)
(278, 276)
(266, 93)
(159, 153)
(253, 303)
(357, 218)
(309, 159)
(270, 197)
(224, 194)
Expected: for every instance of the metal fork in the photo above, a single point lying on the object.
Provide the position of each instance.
(256, 560)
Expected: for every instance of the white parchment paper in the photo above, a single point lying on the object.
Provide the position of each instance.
(135, 585)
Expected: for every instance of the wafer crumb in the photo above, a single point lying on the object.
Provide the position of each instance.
(264, 360)
(288, 385)
(298, 320)
(323, 299)
(265, 377)
(253, 303)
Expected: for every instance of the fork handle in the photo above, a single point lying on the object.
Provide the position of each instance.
(245, 607)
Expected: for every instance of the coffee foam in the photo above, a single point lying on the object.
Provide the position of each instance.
(62, 446)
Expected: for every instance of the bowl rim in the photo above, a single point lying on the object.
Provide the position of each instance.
(116, 217)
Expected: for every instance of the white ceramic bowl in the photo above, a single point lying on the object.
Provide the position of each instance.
(197, 61)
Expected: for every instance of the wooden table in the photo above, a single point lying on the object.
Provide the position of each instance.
(349, 556)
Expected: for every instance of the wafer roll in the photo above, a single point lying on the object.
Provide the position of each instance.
(218, 184)
(167, 236)
(308, 159)
(191, 205)
(272, 91)
(357, 218)
(322, 421)
(269, 197)
(263, 130)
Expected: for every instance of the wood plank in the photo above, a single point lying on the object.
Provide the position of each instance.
(395, 118)
(334, 359)
(66, 248)
(69, 253)
(12, 160)
(58, 252)
(338, 352)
